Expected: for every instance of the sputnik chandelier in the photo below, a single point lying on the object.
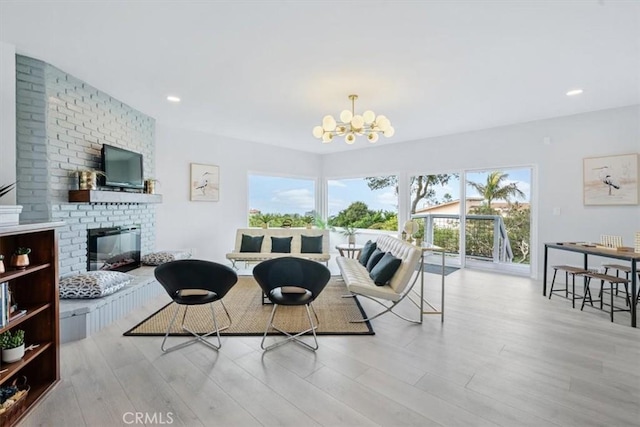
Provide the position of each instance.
(352, 124)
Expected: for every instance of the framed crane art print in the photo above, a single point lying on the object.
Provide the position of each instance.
(611, 180)
(205, 183)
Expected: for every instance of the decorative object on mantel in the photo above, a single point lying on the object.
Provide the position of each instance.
(352, 124)
(88, 179)
(610, 241)
(150, 185)
(638, 241)
(205, 182)
(2, 270)
(611, 180)
(20, 258)
(9, 214)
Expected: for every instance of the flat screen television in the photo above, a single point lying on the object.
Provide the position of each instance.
(122, 168)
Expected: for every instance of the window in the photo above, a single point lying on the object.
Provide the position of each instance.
(278, 201)
(365, 203)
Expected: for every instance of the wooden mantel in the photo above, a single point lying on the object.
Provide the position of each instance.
(97, 196)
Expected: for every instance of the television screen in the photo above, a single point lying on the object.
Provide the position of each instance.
(123, 168)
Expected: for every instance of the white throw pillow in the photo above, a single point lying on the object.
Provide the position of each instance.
(93, 284)
(157, 258)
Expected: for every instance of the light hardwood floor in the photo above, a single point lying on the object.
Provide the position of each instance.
(505, 356)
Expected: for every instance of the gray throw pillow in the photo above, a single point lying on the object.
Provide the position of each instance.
(281, 244)
(311, 244)
(251, 243)
(366, 252)
(384, 270)
(374, 258)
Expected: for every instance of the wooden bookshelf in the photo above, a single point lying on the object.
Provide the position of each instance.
(34, 289)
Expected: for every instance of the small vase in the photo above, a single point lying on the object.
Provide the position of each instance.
(2, 270)
(150, 186)
(20, 261)
(88, 180)
(352, 240)
(10, 355)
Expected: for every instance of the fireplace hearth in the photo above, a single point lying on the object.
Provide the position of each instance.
(115, 248)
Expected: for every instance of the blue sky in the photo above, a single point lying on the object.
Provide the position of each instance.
(271, 194)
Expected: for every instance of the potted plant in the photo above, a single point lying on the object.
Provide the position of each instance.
(264, 219)
(350, 231)
(12, 345)
(20, 258)
(308, 221)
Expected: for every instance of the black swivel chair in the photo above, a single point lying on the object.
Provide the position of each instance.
(194, 282)
(291, 281)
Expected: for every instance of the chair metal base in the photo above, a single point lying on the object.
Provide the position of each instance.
(292, 338)
(197, 337)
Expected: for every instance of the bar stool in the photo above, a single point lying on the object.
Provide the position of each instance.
(568, 270)
(613, 284)
(618, 268)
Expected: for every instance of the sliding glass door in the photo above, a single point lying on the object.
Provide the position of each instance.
(498, 219)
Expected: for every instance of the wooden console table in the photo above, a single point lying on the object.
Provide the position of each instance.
(632, 257)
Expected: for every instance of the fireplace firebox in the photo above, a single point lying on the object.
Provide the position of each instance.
(115, 248)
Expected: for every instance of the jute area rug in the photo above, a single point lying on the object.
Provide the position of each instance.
(249, 316)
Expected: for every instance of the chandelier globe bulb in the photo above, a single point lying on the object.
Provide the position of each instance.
(357, 122)
(318, 131)
(389, 132)
(368, 116)
(350, 138)
(346, 116)
(328, 123)
(372, 137)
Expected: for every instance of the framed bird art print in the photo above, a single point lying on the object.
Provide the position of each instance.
(205, 182)
(611, 180)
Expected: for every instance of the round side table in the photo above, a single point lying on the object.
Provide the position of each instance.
(349, 251)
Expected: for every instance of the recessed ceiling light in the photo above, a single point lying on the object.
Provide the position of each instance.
(574, 92)
(172, 98)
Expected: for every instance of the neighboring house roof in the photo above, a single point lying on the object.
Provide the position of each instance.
(453, 207)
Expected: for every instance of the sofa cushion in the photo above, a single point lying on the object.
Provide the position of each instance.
(251, 243)
(384, 270)
(311, 244)
(93, 284)
(374, 258)
(366, 252)
(281, 244)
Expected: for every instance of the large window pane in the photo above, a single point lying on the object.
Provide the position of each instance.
(280, 200)
(435, 201)
(364, 203)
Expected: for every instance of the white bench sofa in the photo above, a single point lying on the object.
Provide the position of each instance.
(265, 251)
(359, 283)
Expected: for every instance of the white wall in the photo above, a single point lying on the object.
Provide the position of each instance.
(7, 119)
(557, 166)
(210, 227)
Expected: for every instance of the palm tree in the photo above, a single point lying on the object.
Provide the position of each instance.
(494, 190)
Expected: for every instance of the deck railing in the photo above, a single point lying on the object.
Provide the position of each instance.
(486, 235)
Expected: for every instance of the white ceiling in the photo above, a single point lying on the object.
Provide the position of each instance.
(268, 71)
